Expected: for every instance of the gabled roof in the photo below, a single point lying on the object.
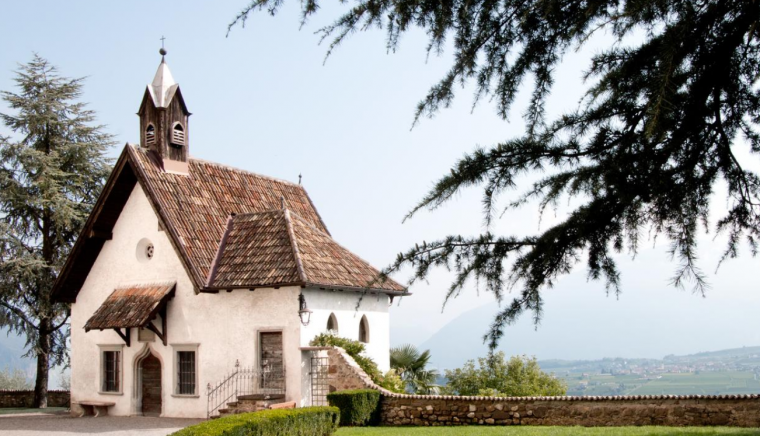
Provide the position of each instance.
(194, 210)
(280, 247)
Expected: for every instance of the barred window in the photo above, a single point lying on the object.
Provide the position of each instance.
(186, 372)
(111, 361)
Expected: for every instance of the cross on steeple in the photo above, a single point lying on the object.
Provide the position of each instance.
(162, 41)
(163, 50)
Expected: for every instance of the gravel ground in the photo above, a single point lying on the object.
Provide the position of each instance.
(61, 424)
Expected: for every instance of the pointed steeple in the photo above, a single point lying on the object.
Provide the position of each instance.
(163, 86)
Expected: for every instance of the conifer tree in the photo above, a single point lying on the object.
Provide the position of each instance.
(52, 168)
(667, 105)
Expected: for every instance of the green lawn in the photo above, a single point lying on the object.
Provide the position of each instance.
(545, 431)
(13, 411)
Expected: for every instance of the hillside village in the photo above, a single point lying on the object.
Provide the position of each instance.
(732, 371)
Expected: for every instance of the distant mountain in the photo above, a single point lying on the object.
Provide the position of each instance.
(576, 331)
(11, 350)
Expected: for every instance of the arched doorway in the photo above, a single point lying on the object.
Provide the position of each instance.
(150, 385)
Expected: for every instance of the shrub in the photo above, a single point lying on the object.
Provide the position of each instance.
(393, 382)
(357, 407)
(520, 376)
(307, 421)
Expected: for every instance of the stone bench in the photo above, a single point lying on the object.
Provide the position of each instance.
(94, 408)
(288, 405)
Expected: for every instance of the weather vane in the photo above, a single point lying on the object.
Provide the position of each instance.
(163, 50)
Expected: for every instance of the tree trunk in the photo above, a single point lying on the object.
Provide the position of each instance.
(43, 366)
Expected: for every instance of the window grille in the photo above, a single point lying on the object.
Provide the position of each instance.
(178, 135)
(186, 372)
(150, 134)
(111, 371)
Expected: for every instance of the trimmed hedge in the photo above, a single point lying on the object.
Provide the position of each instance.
(357, 407)
(307, 421)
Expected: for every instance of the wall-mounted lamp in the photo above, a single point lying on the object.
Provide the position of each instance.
(303, 312)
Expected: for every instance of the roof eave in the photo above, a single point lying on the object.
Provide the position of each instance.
(83, 234)
(321, 286)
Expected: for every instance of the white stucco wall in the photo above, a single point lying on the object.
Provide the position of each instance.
(225, 326)
(343, 305)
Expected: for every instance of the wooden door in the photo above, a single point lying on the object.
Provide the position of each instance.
(271, 361)
(151, 386)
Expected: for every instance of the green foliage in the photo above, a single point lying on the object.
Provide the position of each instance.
(307, 421)
(393, 382)
(353, 348)
(669, 102)
(14, 380)
(411, 365)
(51, 173)
(357, 407)
(494, 376)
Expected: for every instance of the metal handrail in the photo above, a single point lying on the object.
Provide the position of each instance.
(244, 381)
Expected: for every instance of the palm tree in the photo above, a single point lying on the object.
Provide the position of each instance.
(411, 366)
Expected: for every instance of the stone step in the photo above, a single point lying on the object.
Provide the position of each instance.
(261, 397)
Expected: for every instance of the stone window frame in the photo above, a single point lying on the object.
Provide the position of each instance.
(176, 348)
(102, 349)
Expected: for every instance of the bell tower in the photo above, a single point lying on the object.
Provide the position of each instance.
(164, 121)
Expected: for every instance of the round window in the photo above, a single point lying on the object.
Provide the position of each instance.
(145, 250)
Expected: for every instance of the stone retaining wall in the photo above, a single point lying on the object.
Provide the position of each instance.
(739, 411)
(25, 399)
(435, 410)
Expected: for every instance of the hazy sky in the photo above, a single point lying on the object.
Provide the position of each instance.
(262, 100)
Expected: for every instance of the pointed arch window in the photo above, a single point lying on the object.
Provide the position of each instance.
(332, 324)
(150, 134)
(178, 134)
(364, 330)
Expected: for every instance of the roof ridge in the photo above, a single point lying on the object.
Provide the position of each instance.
(294, 246)
(140, 284)
(220, 251)
(235, 215)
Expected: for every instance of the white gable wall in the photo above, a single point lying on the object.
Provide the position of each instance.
(344, 305)
(225, 326)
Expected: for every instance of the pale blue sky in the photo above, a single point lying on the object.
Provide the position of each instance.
(262, 100)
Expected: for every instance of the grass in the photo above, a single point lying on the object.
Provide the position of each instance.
(15, 410)
(545, 431)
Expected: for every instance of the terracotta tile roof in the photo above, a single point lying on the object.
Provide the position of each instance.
(280, 247)
(133, 306)
(260, 246)
(257, 251)
(196, 207)
(325, 262)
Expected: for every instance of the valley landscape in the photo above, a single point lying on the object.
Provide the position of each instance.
(734, 371)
